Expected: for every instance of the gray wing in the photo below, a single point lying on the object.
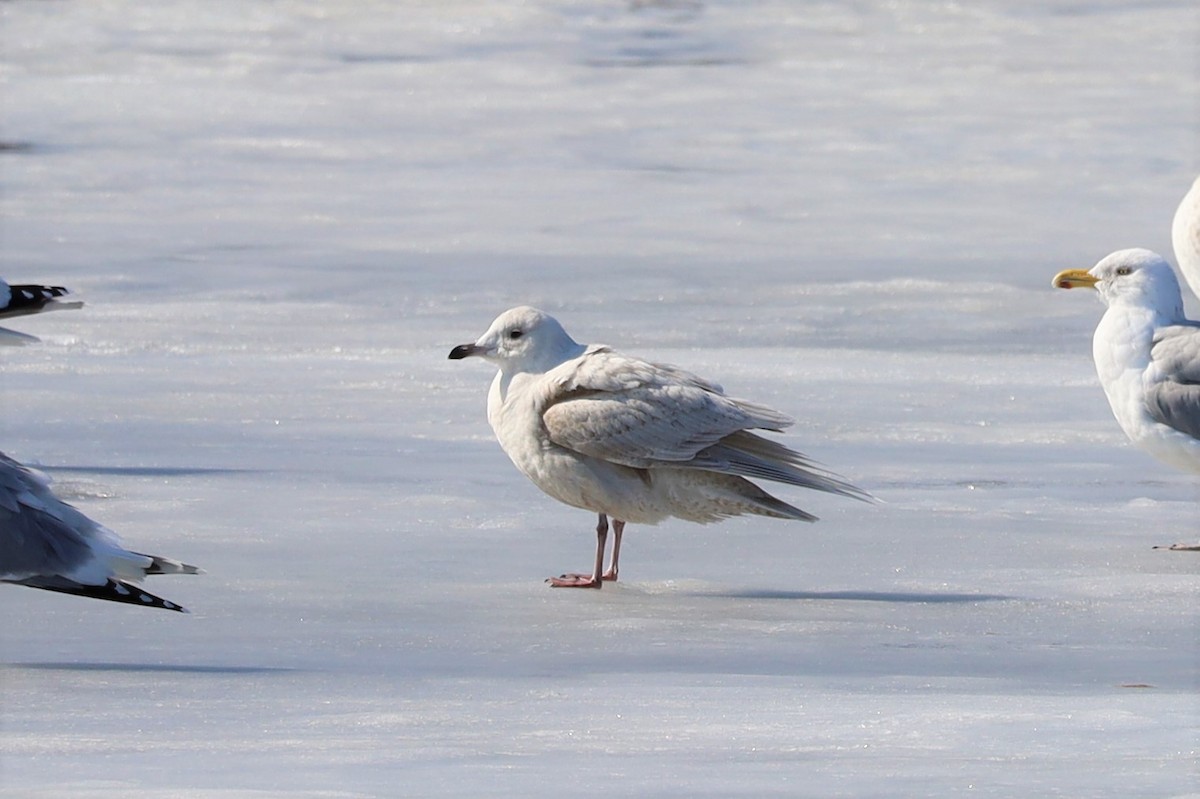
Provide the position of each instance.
(1175, 399)
(39, 534)
(644, 415)
(640, 414)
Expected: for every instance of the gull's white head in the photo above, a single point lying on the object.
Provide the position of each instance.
(522, 339)
(1132, 278)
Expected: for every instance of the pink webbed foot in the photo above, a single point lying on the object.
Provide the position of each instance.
(574, 581)
(597, 578)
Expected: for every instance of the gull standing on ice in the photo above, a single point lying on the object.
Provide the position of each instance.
(631, 440)
(29, 299)
(1147, 354)
(1185, 237)
(46, 543)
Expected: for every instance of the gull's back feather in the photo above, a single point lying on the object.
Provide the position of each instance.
(38, 532)
(644, 415)
(636, 413)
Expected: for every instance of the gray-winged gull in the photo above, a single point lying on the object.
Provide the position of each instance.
(22, 300)
(46, 543)
(631, 440)
(1147, 354)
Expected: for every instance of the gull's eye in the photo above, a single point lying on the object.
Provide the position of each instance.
(513, 335)
(1124, 270)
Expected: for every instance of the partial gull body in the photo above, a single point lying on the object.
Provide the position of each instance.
(46, 543)
(1147, 354)
(631, 440)
(22, 300)
(1185, 237)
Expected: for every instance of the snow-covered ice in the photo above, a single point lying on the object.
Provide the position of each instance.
(283, 215)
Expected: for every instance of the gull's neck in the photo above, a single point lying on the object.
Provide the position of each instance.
(535, 365)
(545, 359)
(1121, 350)
(1123, 339)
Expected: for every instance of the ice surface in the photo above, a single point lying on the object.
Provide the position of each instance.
(283, 215)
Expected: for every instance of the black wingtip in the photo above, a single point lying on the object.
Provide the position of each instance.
(111, 591)
(25, 299)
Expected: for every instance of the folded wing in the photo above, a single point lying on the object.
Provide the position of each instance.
(643, 415)
(35, 538)
(1174, 398)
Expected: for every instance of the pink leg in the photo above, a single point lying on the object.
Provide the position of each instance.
(618, 528)
(593, 580)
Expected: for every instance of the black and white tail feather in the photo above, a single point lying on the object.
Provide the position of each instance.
(23, 300)
(26, 299)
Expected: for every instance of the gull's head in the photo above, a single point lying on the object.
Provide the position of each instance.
(1136, 278)
(522, 339)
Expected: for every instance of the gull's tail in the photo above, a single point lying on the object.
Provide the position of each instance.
(764, 504)
(163, 565)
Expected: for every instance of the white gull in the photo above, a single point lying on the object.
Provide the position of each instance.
(631, 440)
(1147, 354)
